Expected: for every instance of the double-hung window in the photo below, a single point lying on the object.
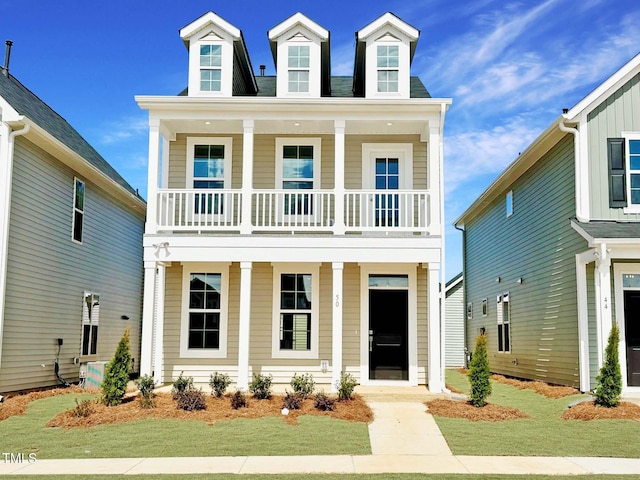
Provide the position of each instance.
(504, 323)
(204, 317)
(90, 321)
(298, 168)
(388, 68)
(210, 68)
(295, 321)
(78, 210)
(298, 65)
(208, 167)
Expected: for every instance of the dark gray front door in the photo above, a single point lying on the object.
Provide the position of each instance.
(388, 335)
(632, 336)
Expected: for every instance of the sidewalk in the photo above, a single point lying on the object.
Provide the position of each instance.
(404, 439)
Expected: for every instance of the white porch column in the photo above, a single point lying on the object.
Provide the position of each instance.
(434, 164)
(158, 355)
(164, 176)
(582, 259)
(336, 330)
(338, 216)
(148, 307)
(152, 185)
(245, 324)
(434, 378)
(247, 175)
(603, 299)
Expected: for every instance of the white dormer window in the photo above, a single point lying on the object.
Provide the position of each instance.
(388, 68)
(210, 68)
(298, 61)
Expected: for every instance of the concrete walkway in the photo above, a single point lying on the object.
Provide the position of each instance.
(404, 439)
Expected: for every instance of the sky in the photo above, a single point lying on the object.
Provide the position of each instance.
(509, 66)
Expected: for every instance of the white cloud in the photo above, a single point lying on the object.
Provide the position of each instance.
(124, 130)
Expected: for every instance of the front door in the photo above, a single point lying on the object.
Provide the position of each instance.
(632, 336)
(388, 334)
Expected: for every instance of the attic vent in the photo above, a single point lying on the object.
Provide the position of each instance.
(388, 38)
(211, 36)
(298, 37)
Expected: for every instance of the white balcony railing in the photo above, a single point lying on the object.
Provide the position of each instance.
(294, 210)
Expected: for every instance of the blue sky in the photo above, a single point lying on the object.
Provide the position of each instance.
(510, 67)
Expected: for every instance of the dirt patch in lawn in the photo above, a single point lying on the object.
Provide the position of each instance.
(549, 391)
(217, 409)
(591, 411)
(17, 404)
(489, 413)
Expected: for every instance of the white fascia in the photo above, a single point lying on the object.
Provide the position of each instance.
(294, 21)
(205, 21)
(385, 21)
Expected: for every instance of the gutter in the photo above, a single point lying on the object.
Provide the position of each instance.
(7, 163)
(579, 194)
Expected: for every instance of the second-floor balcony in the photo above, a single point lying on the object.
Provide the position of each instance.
(274, 211)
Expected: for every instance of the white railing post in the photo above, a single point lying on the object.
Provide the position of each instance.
(247, 176)
(338, 215)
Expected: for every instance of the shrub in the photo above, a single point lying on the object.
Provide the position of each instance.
(303, 385)
(83, 408)
(116, 373)
(181, 384)
(292, 401)
(219, 382)
(191, 399)
(324, 402)
(145, 384)
(610, 380)
(345, 386)
(238, 400)
(479, 374)
(260, 386)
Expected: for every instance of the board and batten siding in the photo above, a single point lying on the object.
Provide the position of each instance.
(264, 174)
(537, 244)
(454, 322)
(619, 113)
(48, 273)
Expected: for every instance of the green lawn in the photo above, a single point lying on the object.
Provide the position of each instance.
(159, 437)
(543, 434)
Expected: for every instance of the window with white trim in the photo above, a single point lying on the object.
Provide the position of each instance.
(509, 203)
(209, 167)
(469, 311)
(78, 210)
(485, 307)
(298, 68)
(295, 323)
(633, 156)
(204, 313)
(504, 323)
(298, 168)
(90, 321)
(388, 68)
(210, 67)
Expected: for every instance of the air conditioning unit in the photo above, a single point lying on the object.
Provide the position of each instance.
(94, 374)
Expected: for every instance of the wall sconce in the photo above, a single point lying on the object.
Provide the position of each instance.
(124, 317)
(498, 279)
(520, 280)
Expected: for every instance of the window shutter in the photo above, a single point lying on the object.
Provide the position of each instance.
(617, 174)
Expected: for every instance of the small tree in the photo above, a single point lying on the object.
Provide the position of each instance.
(610, 380)
(116, 373)
(479, 374)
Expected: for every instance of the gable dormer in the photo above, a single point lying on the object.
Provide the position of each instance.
(384, 52)
(219, 64)
(300, 49)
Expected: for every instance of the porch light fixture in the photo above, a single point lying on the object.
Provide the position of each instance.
(207, 123)
(296, 124)
(389, 124)
(520, 280)
(498, 279)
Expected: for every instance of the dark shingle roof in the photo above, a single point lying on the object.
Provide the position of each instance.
(610, 229)
(28, 104)
(341, 87)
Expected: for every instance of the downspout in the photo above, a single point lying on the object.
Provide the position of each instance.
(580, 194)
(4, 226)
(443, 295)
(464, 292)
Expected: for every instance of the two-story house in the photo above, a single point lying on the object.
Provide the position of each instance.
(70, 247)
(295, 221)
(551, 248)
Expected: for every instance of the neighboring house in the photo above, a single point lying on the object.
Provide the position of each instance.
(551, 248)
(295, 221)
(70, 247)
(454, 322)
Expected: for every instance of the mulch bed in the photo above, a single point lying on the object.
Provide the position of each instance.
(591, 411)
(549, 391)
(217, 409)
(17, 404)
(490, 412)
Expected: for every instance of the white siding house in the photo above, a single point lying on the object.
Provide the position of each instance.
(70, 247)
(295, 221)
